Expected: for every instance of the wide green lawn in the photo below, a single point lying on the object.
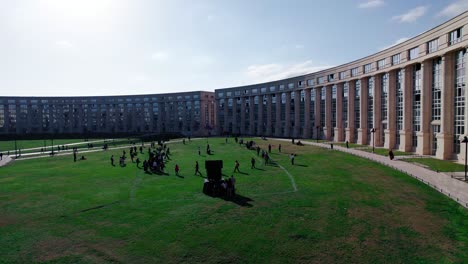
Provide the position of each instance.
(346, 210)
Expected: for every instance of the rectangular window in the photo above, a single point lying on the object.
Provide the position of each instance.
(228, 94)
(357, 109)
(331, 77)
(263, 90)
(396, 59)
(290, 85)
(416, 103)
(455, 36)
(342, 75)
(384, 96)
(281, 87)
(254, 91)
(272, 88)
(459, 100)
(370, 104)
(399, 105)
(432, 45)
(367, 68)
(381, 64)
(345, 103)
(436, 89)
(310, 82)
(300, 84)
(320, 80)
(354, 72)
(413, 53)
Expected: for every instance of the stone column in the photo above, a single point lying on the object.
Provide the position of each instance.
(278, 115)
(406, 133)
(306, 130)
(251, 115)
(260, 131)
(269, 119)
(363, 130)
(390, 132)
(242, 116)
(339, 135)
(317, 110)
(351, 108)
(424, 135)
(287, 117)
(377, 121)
(445, 137)
(297, 114)
(328, 113)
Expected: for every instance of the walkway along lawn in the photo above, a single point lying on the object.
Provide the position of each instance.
(346, 210)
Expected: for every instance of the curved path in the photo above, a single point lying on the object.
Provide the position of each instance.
(451, 187)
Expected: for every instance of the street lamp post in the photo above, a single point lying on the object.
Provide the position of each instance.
(373, 139)
(465, 140)
(317, 137)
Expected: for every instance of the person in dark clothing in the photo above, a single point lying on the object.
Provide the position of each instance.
(391, 155)
(279, 148)
(74, 156)
(197, 169)
(138, 162)
(252, 162)
(347, 144)
(236, 166)
(269, 148)
(112, 160)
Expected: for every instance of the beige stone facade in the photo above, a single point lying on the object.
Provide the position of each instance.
(412, 94)
(188, 113)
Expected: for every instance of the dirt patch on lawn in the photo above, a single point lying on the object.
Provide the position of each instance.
(54, 248)
(6, 220)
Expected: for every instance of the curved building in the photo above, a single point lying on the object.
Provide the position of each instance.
(188, 113)
(409, 97)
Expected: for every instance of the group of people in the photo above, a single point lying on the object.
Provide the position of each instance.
(224, 187)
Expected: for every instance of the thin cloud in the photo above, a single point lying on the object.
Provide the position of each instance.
(412, 15)
(64, 44)
(371, 4)
(398, 41)
(160, 55)
(454, 9)
(276, 71)
(299, 46)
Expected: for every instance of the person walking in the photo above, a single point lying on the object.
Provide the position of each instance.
(347, 144)
(199, 152)
(252, 162)
(236, 166)
(177, 169)
(197, 168)
(269, 148)
(292, 156)
(112, 160)
(279, 148)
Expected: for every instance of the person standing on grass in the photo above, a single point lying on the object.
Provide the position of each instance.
(138, 162)
(279, 148)
(236, 166)
(252, 161)
(269, 148)
(197, 168)
(347, 144)
(292, 156)
(199, 152)
(74, 156)
(177, 169)
(112, 160)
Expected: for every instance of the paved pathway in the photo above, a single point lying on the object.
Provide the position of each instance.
(5, 160)
(450, 186)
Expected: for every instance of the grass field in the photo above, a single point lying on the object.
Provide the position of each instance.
(437, 165)
(346, 210)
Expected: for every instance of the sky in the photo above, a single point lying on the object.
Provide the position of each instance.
(120, 47)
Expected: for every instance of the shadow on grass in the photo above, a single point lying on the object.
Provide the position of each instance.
(245, 173)
(240, 200)
(301, 165)
(180, 176)
(259, 169)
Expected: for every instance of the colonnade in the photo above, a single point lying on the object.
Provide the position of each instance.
(395, 110)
